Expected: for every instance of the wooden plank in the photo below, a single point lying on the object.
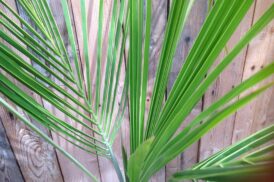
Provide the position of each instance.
(259, 113)
(71, 172)
(192, 27)
(36, 158)
(9, 168)
(220, 136)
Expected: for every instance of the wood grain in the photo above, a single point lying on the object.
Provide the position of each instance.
(221, 136)
(260, 112)
(36, 158)
(9, 168)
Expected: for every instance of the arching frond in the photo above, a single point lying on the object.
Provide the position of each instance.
(33, 55)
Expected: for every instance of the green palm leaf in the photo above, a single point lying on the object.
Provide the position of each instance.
(53, 58)
(65, 82)
(243, 159)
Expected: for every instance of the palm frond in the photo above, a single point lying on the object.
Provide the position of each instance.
(66, 84)
(244, 159)
(45, 47)
(177, 18)
(49, 140)
(190, 86)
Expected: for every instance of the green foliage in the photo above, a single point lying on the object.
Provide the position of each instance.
(236, 161)
(137, 160)
(37, 49)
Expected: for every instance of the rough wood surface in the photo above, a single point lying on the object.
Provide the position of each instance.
(221, 135)
(259, 113)
(9, 168)
(36, 158)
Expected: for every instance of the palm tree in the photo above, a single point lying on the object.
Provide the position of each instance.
(66, 84)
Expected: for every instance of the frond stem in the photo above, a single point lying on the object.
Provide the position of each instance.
(112, 157)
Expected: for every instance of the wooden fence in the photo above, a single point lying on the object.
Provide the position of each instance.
(26, 157)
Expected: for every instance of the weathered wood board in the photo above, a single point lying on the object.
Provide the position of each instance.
(259, 113)
(36, 158)
(9, 168)
(210, 143)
